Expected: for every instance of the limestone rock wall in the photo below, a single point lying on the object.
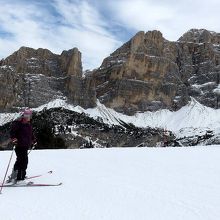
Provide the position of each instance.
(149, 72)
(146, 73)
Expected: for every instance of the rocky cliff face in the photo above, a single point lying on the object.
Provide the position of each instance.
(32, 77)
(43, 61)
(199, 65)
(149, 72)
(10, 87)
(146, 73)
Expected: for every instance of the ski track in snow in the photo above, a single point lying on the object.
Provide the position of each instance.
(118, 184)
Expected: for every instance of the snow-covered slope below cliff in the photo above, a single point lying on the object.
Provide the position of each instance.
(193, 118)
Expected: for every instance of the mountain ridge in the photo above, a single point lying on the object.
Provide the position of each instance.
(193, 124)
(147, 73)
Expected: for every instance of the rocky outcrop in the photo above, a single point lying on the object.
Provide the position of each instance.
(71, 62)
(141, 75)
(43, 61)
(200, 36)
(149, 72)
(9, 87)
(82, 91)
(146, 73)
(32, 77)
(199, 65)
(29, 60)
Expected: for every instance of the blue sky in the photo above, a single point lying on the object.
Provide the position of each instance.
(97, 27)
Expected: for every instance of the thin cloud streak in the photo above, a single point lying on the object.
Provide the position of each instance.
(76, 26)
(96, 27)
(172, 18)
(86, 26)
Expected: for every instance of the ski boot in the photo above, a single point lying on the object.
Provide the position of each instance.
(13, 177)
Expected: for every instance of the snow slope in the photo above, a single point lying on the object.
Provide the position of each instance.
(7, 117)
(193, 118)
(119, 184)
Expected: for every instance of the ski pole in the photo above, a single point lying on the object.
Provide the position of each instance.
(34, 145)
(7, 169)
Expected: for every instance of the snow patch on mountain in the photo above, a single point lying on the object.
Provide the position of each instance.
(193, 118)
(8, 117)
(217, 89)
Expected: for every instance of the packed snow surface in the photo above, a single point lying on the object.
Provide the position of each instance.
(118, 184)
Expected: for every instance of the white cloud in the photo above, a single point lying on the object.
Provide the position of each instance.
(85, 27)
(172, 18)
(79, 25)
(15, 19)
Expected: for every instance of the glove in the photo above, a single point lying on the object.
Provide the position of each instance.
(14, 140)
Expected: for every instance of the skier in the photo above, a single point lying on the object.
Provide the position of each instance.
(22, 136)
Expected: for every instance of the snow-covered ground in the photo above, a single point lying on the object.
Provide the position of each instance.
(192, 119)
(118, 184)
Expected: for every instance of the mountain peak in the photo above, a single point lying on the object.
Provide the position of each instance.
(200, 36)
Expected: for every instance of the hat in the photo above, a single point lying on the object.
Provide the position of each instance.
(27, 112)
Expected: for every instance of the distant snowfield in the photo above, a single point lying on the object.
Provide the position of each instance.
(118, 184)
(193, 118)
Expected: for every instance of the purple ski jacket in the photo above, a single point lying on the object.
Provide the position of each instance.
(23, 132)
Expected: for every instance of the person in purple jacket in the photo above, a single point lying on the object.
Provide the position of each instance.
(22, 136)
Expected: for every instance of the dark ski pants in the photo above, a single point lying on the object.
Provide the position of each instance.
(21, 162)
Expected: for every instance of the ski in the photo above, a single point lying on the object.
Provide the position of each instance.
(46, 184)
(40, 175)
(32, 177)
(31, 184)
